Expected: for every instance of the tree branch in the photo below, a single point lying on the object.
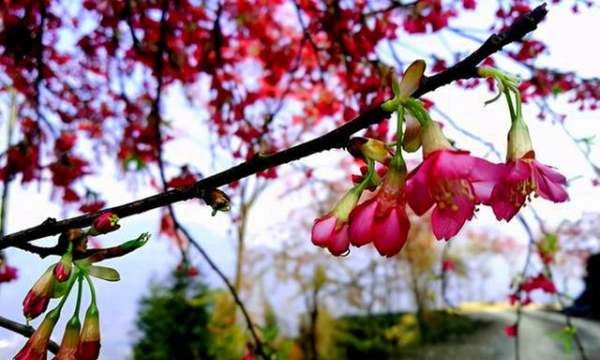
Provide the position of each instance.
(24, 330)
(337, 138)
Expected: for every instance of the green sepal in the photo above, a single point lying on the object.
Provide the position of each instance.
(60, 289)
(136, 243)
(104, 273)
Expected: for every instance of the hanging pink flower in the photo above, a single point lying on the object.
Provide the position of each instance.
(382, 219)
(452, 181)
(331, 231)
(523, 175)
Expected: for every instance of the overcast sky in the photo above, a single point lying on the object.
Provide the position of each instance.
(571, 46)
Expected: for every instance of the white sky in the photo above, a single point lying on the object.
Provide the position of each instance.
(571, 48)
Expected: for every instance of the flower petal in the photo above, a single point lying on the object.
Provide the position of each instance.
(451, 164)
(549, 190)
(340, 242)
(322, 230)
(518, 170)
(550, 173)
(503, 206)
(447, 222)
(417, 190)
(361, 223)
(391, 232)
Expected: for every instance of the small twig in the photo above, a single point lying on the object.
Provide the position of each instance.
(444, 276)
(24, 330)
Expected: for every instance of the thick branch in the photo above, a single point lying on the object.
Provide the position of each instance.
(24, 330)
(465, 69)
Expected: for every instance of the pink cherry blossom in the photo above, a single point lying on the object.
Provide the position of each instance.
(327, 233)
(453, 182)
(382, 219)
(521, 178)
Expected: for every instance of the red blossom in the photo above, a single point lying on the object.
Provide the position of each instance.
(67, 169)
(541, 282)
(65, 142)
(448, 265)
(184, 180)
(89, 341)
(326, 232)
(24, 159)
(453, 183)
(511, 330)
(523, 177)
(106, 223)
(382, 219)
(92, 206)
(36, 348)
(8, 273)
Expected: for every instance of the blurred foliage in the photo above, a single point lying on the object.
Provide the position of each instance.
(389, 336)
(228, 338)
(277, 346)
(183, 319)
(173, 320)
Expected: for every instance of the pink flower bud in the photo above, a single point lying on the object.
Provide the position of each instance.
(70, 341)
(62, 269)
(331, 230)
(382, 219)
(105, 223)
(365, 148)
(89, 342)
(37, 299)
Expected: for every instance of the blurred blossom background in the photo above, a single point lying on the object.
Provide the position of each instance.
(434, 299)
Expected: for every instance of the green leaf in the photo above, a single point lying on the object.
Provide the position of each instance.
(565, 337)
(104, 273)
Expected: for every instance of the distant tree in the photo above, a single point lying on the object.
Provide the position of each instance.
(173, 320)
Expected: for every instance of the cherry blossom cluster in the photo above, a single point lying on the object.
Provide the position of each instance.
(81, 342)
(101, 89)
(450, 182)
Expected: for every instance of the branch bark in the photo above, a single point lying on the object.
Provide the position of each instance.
(337, 138)
(24, 330)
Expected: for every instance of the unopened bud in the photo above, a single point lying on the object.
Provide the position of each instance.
(62, 269)
(105, 223)
(38, 297)
(519, 142)
(89, 342)
(217, 200)
(366, 148)
(411, 141)
(70, 341)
